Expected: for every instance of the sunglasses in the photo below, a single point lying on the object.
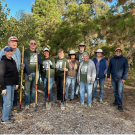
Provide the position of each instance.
(82, 45)
(33, 43)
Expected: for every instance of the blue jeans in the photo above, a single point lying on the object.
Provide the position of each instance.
(118, 90)
(68, 81)
(8, 102)
(45, 82)
(30, 89)
(88, 87)
(76, 87)
(101, 84)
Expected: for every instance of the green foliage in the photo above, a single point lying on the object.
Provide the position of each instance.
(127, 82)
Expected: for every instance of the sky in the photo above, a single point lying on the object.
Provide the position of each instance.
(25, 5)
(16, 5)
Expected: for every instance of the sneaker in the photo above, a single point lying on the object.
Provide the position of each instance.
(120, 108)
(7, 121)
(94, 100)
(89, 105)
(114, 104)
(33, 104)
(12, 116)
(26, 107)
(82, 104)
(101, 101)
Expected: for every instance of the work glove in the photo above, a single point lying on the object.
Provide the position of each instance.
(22, 66)
(40, 80)
(37, 51)
(4, 92)
(30, 78)
(50, 62)
(16, 87)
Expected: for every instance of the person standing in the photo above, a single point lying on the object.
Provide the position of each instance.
(12, 42)
(118, 68)
(30, 62)
(44, 72)
(71, 75)
(79, 56)
(101, 69)
(59, 73)
(86, 77)
(8, 81)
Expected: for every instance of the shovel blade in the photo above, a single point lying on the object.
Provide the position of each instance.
(48, 105)
(63, 106)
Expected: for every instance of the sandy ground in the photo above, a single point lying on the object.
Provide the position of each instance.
(100, 118)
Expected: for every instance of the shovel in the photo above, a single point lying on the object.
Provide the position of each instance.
(48, 103)
(21, 80)
(36, 81)
(63, 104)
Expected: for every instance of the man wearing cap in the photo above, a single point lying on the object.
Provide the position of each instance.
(46, 61)
(101, 69)
(12, 42)
(8, 81)
(118, 68)
(79, 56)
(30, 72)
(71, 75)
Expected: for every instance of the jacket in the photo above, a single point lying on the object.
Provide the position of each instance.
(8, 73)
(91, 72)
(118, 67)
(72, 73)
(101, 67)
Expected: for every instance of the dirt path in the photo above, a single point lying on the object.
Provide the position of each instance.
(101, 118)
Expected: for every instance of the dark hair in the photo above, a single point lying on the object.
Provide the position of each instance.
(69, 56)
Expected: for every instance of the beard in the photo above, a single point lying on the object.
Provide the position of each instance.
(81, 49)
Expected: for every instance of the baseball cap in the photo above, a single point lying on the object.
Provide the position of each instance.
(6, 49)
(45, 49)
(118, 49)
(13, 38)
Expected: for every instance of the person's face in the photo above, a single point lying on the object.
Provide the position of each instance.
(13, 44)
(118, 52)
(9, 54)
(85, 57)
(46, 53)
(99, 54)
(33, 44)
(60, 54)
(72, 56)
(82, 47)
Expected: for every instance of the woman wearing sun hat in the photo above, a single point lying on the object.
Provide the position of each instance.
(71, 74)
(101, 69)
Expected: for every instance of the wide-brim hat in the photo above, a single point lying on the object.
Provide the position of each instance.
(99, 51)
(72, 52)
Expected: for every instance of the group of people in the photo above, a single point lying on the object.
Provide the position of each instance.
(79, 69)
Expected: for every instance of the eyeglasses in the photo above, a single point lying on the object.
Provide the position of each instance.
(33, 43)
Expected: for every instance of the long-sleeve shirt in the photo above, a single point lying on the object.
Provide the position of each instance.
(16, 56)
(118, 67)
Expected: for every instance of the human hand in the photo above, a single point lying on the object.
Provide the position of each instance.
(30, 78)
(50, 62)
(123, 81)
(4, 92)
(22, 66)
(37, 51)
(65, 69)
